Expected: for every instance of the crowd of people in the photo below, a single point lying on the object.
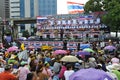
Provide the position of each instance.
(46, 65)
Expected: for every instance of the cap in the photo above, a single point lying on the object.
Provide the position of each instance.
(24, 63)
(77, 65)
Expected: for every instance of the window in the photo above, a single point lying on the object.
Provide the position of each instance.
(15, 11)
(15, 7)
(15, 2)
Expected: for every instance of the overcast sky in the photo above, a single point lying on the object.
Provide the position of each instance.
(62, 5)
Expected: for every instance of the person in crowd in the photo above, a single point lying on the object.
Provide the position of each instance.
(1, 68)
(40, 75)
(68, 72)
(33, 64)
(77, 66)
(61, 73)
(7, 75)
(56, 66)
(92, 62)
(46, 70)
(23, 70)
(31, 76)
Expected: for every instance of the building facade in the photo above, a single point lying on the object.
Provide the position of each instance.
(4, 8)
(31, 9)
(14, 8)
(47, 7)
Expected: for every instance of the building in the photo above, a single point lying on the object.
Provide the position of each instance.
(14, 8)
(47, 7)
(24, 9)
(4, 8)
(7, 9)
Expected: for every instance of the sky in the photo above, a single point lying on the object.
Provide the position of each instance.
(62, 5)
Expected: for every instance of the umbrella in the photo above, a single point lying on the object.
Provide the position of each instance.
(60, 52)
(46, 48)
(23, 55)
(88, 50)
(110, 48)
(83, 53)
(69, 58)
(13, 48)
(83, 46)
(31, 47)
(90, 74)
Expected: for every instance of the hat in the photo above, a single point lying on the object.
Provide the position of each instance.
(113, 67)
(92, 59)
(77, 65)
(13, 56)
(1, 53)
(80, 61)
(24, 63)
(115, 60)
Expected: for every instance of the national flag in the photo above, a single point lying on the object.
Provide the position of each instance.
(74, 8)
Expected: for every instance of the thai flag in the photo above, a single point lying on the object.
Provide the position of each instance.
(74, 8)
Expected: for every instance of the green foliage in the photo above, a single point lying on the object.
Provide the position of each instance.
(35, 30)
(112, 17)
(93, 6)
(112, 9)
(26, 34)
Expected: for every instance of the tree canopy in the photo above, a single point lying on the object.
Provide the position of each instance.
(112, 9)
(93, 6)
(112, 18)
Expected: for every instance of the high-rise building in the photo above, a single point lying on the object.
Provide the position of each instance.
(14, 8)
(4, 9)
(23, 8)
(47, 7)
(31, 8)
(7, 9)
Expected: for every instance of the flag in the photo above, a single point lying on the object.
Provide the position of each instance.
(23, 46)
(74, 8)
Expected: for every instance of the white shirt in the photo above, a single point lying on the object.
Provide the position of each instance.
(1, 70)
(68, 73)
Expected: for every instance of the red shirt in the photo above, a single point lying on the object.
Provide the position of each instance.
(7, 76)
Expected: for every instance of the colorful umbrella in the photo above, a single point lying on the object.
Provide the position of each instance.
(46, 48)
(13, 48)
(31, 47)
(88, 50)
(83, 53)
(110, 47)
(90, 74)
(69, 58)
(23, 55)
(60, 52)
(83, 46)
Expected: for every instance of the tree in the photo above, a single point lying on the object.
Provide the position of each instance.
(112, 18)
(112, 9)
(93, 6)
(26, 34)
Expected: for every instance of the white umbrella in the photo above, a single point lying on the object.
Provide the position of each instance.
(69, 58)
